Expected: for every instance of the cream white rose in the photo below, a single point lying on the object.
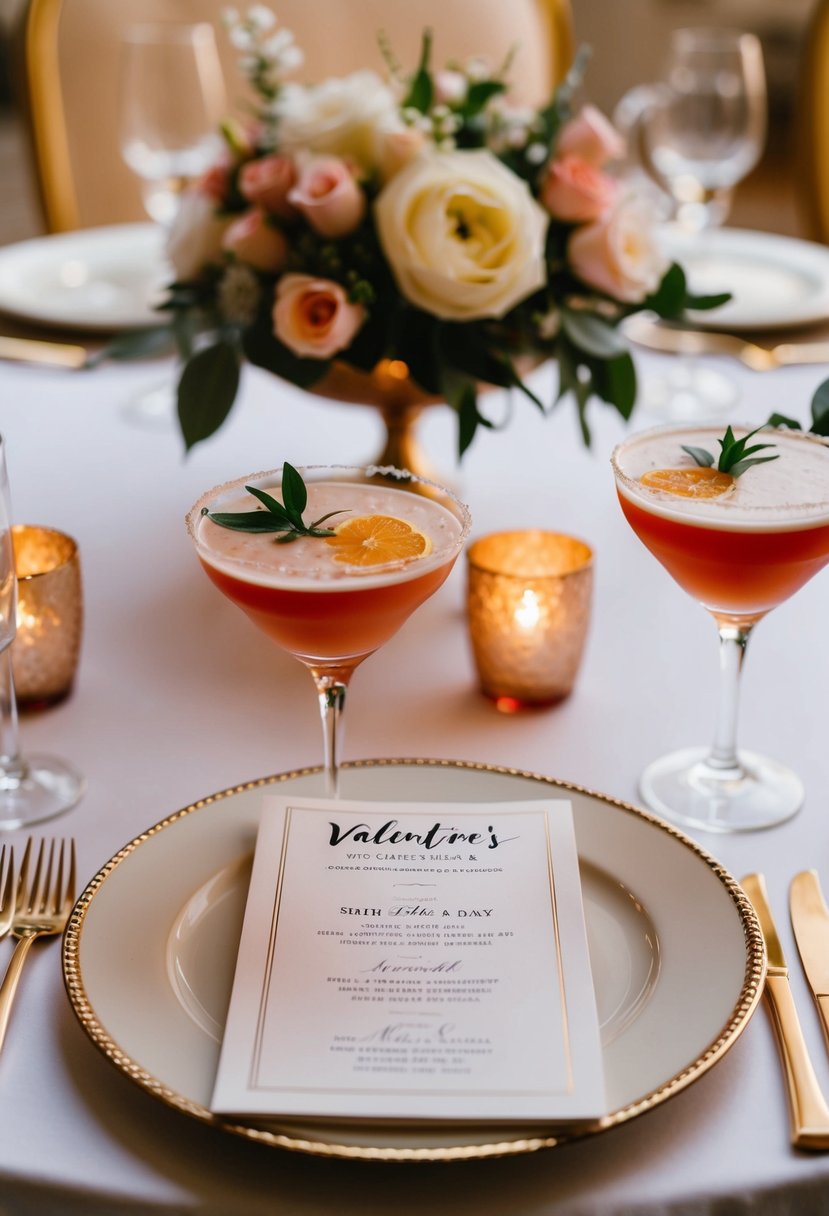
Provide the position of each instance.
(338, 117)
(463, 235)
(195, 238)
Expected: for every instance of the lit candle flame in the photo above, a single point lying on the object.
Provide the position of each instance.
(528, 612)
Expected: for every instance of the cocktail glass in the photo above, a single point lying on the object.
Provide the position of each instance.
(329, 614)
(740, 555)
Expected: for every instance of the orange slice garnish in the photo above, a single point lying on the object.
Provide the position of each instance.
(370, 540)
(689, 483)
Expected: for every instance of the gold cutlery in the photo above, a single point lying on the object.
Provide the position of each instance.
(810, 921)
(7, 892)
(680, 341)
(809, 1114)
(43, 907)
(32, 350)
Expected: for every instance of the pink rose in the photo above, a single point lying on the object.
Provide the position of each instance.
(577, 191)
(619, 254)
(329, 197)
(253, 240)
(314, 317)
(592, 137)
(267, 182)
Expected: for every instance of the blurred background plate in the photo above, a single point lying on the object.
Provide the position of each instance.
(94, 279)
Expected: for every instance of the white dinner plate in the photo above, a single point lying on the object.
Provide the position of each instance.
(776, 282)
(676, 952)
(93, 279)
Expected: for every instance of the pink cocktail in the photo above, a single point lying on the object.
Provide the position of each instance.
(328, 602)
(740, 552)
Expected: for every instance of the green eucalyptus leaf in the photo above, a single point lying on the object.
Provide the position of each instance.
(782, 420)
(294, 493)
(206, 391)
(704, 303)
(139, 344)
(699, 455)
(592, 335)
(671, 295)
(820, 410)
(248, 521)
(614, 380)
(740, 467)
(273, 505)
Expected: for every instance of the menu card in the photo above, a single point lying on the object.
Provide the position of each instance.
(413, 961)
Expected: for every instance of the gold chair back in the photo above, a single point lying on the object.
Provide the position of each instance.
(813, 126)
(71, 65)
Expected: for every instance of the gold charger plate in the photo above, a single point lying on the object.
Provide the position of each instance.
(149, 952)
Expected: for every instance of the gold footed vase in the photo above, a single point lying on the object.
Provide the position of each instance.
(390, 390)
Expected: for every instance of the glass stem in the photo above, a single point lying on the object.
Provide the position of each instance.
(331, 690)
(12, 766)
(733, 642)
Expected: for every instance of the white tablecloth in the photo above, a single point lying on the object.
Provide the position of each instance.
(178, 697)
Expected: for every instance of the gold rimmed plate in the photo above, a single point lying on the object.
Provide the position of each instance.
(150, 949)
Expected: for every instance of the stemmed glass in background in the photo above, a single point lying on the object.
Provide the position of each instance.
(698, 133)
(331, 616)
(171, 101)
(32, 788)
(741, 555)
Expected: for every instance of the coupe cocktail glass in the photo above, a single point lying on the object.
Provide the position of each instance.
(740, 555)
(328, 613)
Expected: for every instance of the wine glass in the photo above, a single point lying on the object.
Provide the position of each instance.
(331, 600)
(172, 99)
(32, 788)
(699, 132)
(740, 553)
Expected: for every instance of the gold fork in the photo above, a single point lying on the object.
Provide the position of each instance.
(7, 892)
(43, 908)
(676, 341)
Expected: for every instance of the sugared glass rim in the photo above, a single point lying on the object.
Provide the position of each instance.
(452, 503)
(759, 515)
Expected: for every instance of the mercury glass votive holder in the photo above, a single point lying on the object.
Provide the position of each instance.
(528, 600)
(49, 615)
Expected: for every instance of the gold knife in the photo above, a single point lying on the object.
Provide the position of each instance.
(809, 1114)
(676, 340)
(810, 921)
(31, 350)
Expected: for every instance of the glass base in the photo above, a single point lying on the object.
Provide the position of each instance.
(46, 788)
(690, 393)
(686, 789)
(153, 408)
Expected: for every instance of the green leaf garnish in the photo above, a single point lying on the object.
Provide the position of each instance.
(284, 517)
(735, 455)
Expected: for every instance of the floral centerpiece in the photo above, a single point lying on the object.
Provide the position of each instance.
(422, 222)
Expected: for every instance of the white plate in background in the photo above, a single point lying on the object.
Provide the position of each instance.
(105, 279)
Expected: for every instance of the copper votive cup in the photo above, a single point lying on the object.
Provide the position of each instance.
(49, 615)
(528, 600)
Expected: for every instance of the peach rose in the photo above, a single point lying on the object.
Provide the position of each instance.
(619, 255)
(314, 317)
(267, 182)
(252, 240)
(592, 137)
(395, 148)
(329, 197)
(577, 191)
